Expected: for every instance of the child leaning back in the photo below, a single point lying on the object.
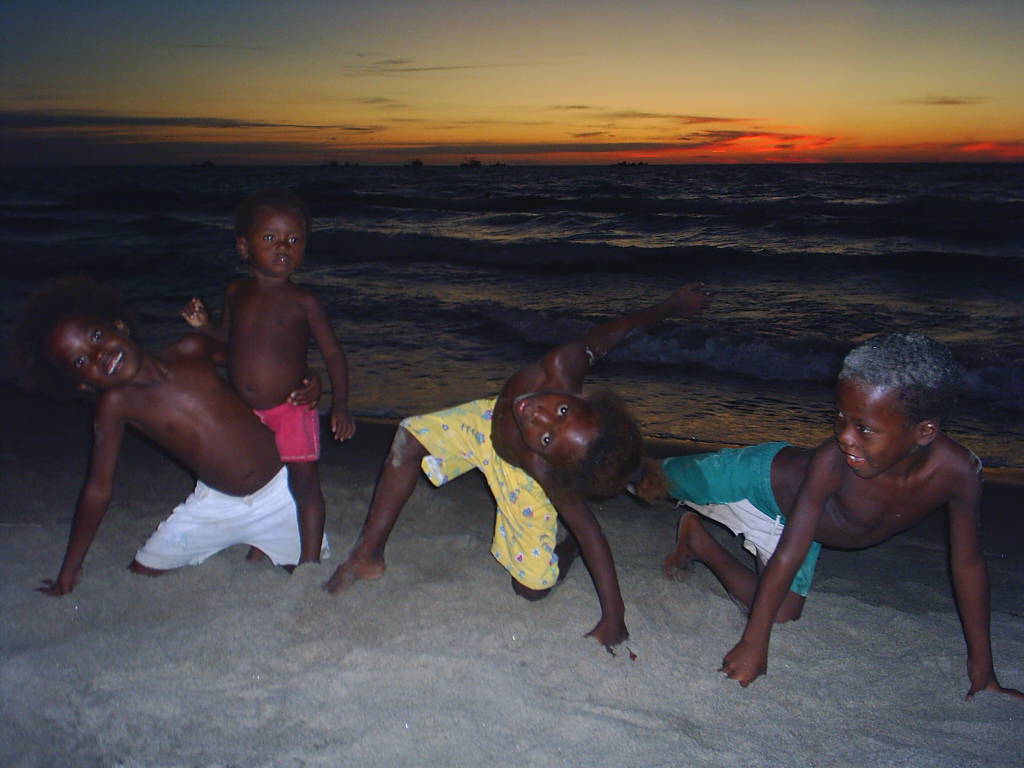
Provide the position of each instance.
(267, 322)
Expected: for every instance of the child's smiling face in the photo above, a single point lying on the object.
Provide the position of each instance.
(872, 429)
(96, 353)
(275, 245)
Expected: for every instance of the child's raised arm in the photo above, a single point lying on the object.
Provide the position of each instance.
(196, 315)
(575, 358)
(94, 498)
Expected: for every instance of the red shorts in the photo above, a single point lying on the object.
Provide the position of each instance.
(296, 431)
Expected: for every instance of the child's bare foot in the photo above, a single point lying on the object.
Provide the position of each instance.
(681, 557)
(352, 570)
(255, 555)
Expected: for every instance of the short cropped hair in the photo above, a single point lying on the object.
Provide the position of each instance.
(59, 299)
(615, 454)
(922, 371)
(276, 198)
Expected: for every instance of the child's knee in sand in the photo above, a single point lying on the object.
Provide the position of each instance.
(533, 595)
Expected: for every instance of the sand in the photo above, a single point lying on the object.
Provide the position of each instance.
(233, 663)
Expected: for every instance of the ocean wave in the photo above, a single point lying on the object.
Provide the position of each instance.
(348, 245)
(809, 358)
(1003, 386)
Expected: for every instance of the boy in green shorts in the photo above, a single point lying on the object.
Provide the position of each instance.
(887, 467)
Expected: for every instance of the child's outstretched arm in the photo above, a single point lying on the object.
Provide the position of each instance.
(748, 659)
(342, 425)
(93, 499)
(970, 585)
(575, 358)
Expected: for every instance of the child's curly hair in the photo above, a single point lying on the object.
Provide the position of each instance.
(613, 457)
(919, 369)
(276, 198)
(60, 298)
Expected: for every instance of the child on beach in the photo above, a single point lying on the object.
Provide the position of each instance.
(887, 467)
(267, 322)
(544, 449)
(73, 336)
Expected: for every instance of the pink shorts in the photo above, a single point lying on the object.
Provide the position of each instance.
(296, 431)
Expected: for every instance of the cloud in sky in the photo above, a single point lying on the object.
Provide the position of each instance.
(950, 101)
(221, 47)
(56, 119)
(632, 114)
(405, 66)
(753, 140)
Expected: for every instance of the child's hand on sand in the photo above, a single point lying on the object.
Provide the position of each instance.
(744, 663)
(342, 424)
(609, 633)
(63, 585)
(690, 300)
(308, 393)
(195, 313)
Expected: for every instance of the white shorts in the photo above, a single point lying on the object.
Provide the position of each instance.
(209, 521)
(760, 533)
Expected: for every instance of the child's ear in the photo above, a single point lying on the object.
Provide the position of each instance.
(927, 431)
(242, 246)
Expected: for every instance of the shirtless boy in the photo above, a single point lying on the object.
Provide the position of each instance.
(544, 448)
(888, 466)
(267, 323)
(74, 333)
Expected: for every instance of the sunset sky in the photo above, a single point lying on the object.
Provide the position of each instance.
(515, 82)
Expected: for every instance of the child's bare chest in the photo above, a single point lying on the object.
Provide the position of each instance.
(868, 512)
(269, 315)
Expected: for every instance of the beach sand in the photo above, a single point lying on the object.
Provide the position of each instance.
(438, 664)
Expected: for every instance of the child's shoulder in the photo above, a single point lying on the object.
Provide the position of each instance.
(307, 298)
(239, 284)
(954, 458)
(191, 345)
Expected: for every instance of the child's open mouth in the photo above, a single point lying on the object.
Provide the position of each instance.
(115, 363)
(854, 461)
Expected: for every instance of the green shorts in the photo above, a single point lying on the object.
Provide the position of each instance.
(734, 487)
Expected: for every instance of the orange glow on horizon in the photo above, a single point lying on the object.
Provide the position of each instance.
(387, 83)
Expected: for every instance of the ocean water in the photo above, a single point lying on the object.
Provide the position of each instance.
(441, 282)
